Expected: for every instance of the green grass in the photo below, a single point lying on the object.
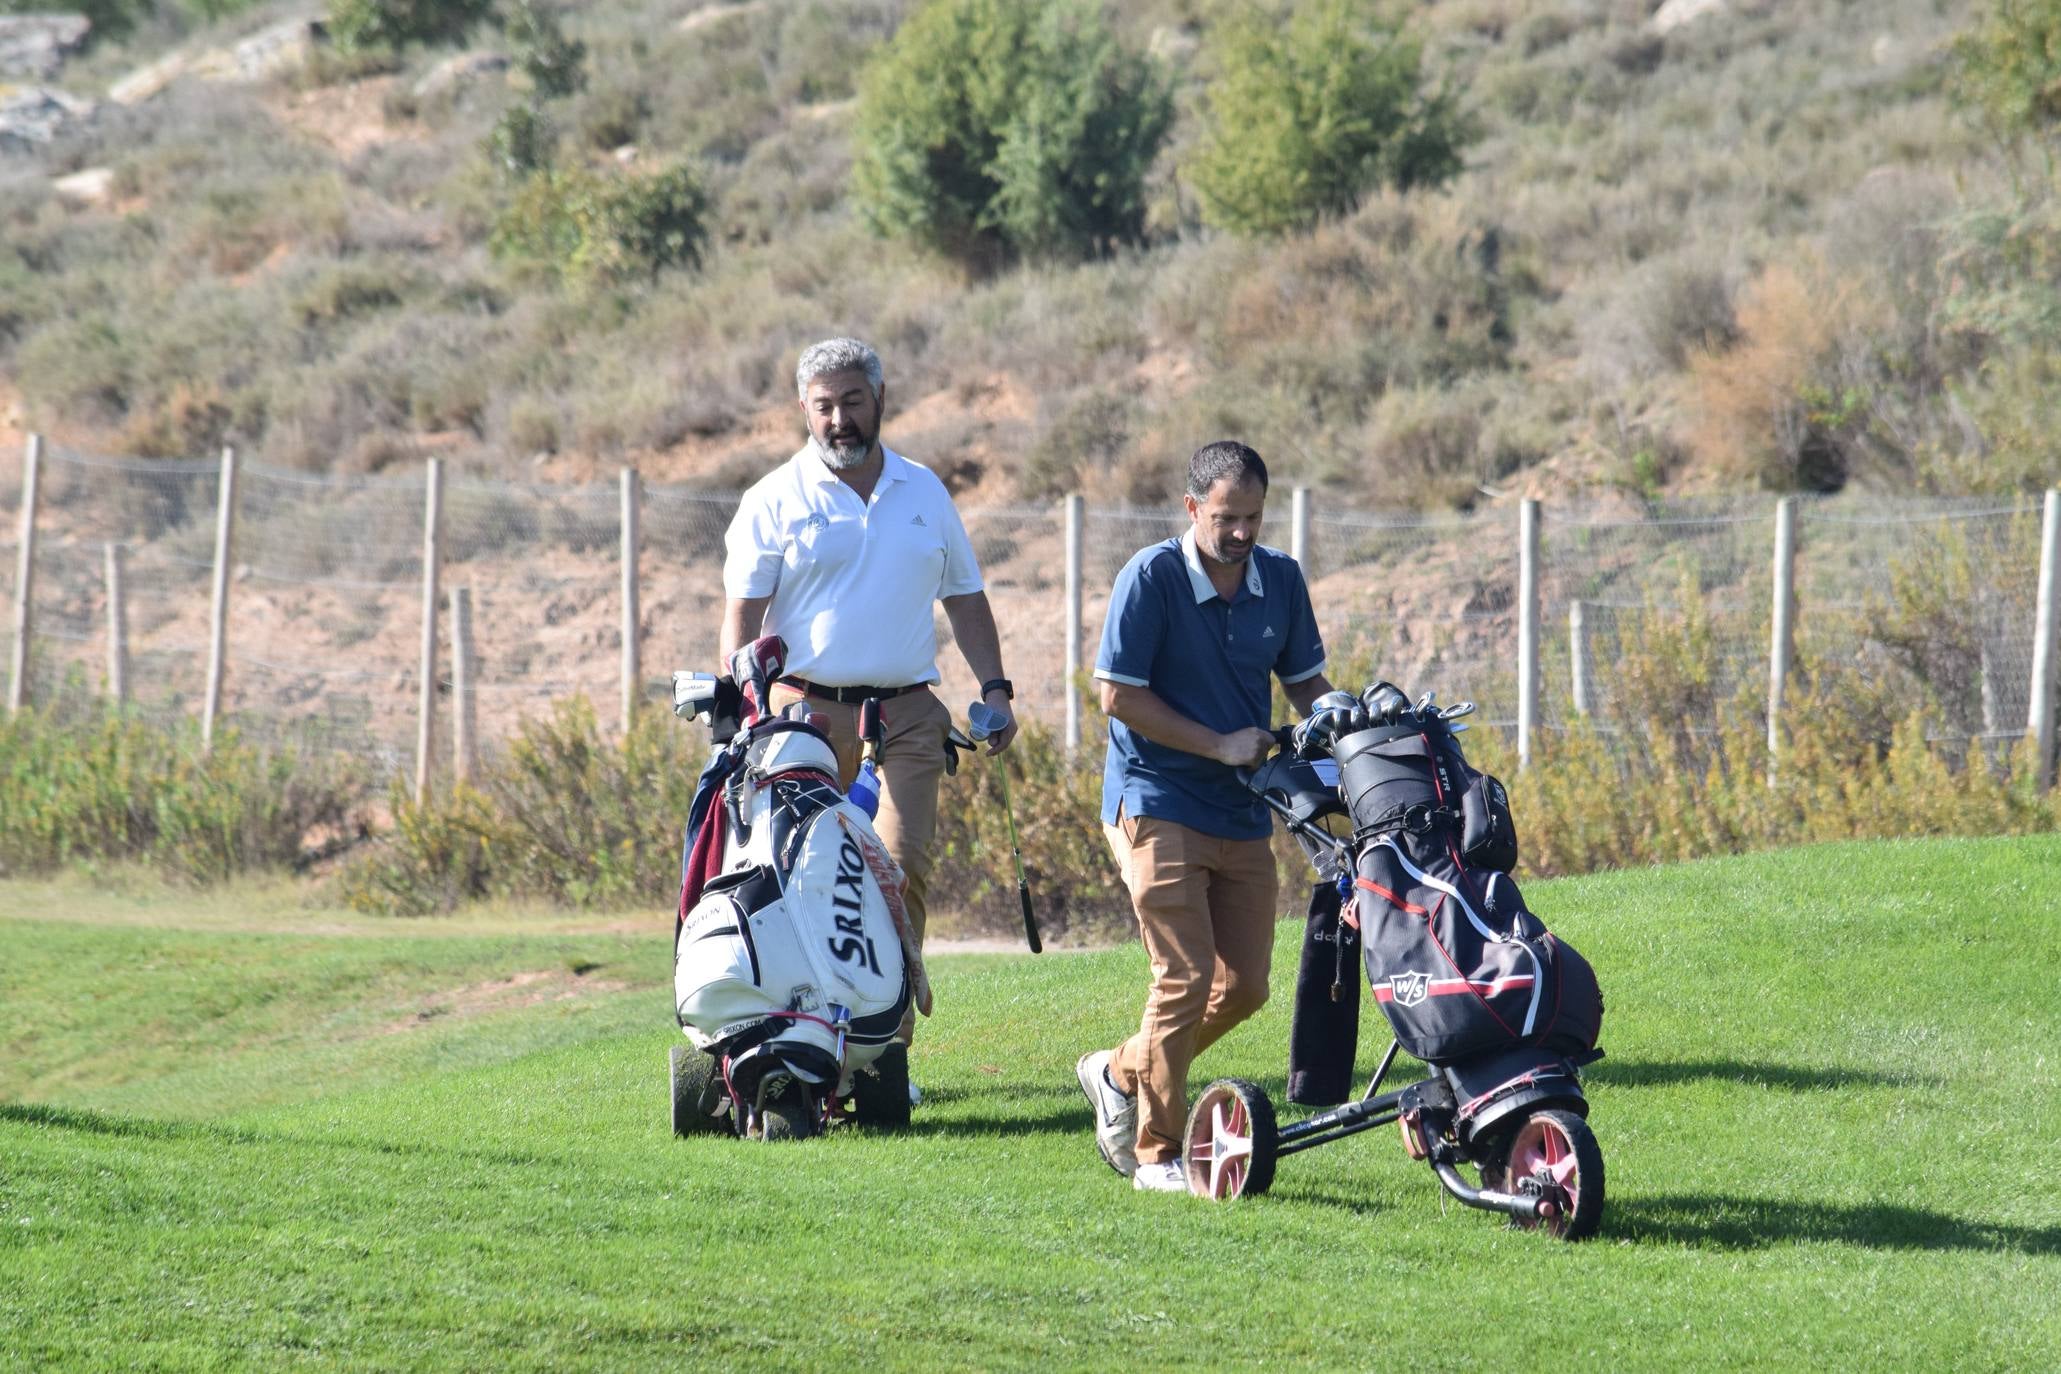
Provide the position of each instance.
(1829, 1114)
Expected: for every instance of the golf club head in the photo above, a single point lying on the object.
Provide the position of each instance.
(983, 720)
(694, 694)
(1457, 710)
(1334, 701)
(955, 740)
(1383, 702)
(755, 667)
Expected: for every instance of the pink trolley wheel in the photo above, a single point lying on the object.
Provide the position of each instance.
(1228, 1150)
(1554, 1155)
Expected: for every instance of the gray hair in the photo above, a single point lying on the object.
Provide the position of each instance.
(837, 355)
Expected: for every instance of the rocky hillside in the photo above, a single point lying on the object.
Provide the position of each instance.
(1697, 245)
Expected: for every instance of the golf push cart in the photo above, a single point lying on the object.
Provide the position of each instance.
(1417, 845)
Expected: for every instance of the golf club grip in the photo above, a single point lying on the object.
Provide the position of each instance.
(1030, 920)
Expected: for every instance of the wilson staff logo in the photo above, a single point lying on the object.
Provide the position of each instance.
(1408, 989)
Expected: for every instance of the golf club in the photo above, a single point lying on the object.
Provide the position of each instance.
(982, 721)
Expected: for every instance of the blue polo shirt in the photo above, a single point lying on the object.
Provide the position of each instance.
(1211, 660)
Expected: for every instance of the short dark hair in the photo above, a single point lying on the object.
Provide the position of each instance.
(1212, 463)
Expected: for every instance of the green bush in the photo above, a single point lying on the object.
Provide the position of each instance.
(991, 130)
(553, 62)
(1304, 119)
(369, 25)
(584, 225)
(564, 815)
(98, 785)
(2008, 67)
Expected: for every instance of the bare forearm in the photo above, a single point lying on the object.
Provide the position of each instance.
(743, 620)
(973, 629)
(1146, 712)
(1301, 694)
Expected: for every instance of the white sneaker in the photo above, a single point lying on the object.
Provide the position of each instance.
(1116, 1113)
(1165, 1177)
(915, 1095)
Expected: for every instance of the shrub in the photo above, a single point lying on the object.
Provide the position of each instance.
(553, 62)
(1304, 119)
(582, 224)
(991, 130)
(520, 142)
(369, 25)
(564, 814)
(98, 784)
(2008, 67)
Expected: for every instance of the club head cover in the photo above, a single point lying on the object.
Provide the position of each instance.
(755, 668)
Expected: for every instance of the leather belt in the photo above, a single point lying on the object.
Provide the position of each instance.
(848, 696)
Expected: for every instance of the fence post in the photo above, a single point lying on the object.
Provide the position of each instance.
(432, 552)
(1299, 528)
(464, 737)
(24, 574)
(1075, 515)
(631, 670)
(218, 600)
(1578, 657)
(117, 627)
(2040, 721)
(1782, 637)
(1527, 629)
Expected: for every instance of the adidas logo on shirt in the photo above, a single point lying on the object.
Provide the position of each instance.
(918, 520)
(1269, 634)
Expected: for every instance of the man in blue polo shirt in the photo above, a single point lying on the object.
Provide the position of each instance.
(1197, 629)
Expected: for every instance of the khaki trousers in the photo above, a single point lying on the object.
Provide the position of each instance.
(1205, 908)
(911, 761)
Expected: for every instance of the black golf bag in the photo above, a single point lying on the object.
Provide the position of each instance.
(1458, 963)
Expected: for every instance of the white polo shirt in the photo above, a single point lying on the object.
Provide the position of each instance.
(853, 582)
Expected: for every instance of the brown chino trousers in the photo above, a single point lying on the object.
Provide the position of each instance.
(1205, 908)
(911, 760)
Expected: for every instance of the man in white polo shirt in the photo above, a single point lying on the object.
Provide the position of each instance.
(842, 551)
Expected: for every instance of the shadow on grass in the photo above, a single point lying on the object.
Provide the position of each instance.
(1665, 1073)
(1744, 1223)
(151, 1128)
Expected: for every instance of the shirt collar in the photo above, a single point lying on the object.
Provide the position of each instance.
(893, 467)
(1198, 580)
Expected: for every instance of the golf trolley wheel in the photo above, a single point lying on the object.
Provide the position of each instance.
(792, 1113)
(697, 1088)
(880, 1091)
(1228, 1148)
(1554, 1152)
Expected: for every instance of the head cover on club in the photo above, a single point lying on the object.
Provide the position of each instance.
(983, 720)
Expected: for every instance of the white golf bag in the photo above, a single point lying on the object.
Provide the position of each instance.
(796, 933)
(793, 960)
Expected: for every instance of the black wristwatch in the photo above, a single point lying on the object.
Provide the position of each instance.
(998, 684)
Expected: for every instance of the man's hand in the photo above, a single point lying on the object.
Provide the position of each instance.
(1001, 739)
(1247, 748)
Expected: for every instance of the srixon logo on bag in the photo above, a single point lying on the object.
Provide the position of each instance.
(851, 944)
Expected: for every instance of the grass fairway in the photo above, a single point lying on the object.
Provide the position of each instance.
(1829, 1113)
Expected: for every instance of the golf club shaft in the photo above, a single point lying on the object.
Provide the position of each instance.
(1023, 897)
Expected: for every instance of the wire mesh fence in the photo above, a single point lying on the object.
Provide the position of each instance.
(323, 630)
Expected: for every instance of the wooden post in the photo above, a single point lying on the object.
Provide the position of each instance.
(218, 600)
(117, 628)
(2040, 715)
(432, 550)
(1075, 516)
(1578, 657)
(1782, 637)
(464, 722)
(25, 575)
(630, 621)
(1527, 630)
(1299, 528)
